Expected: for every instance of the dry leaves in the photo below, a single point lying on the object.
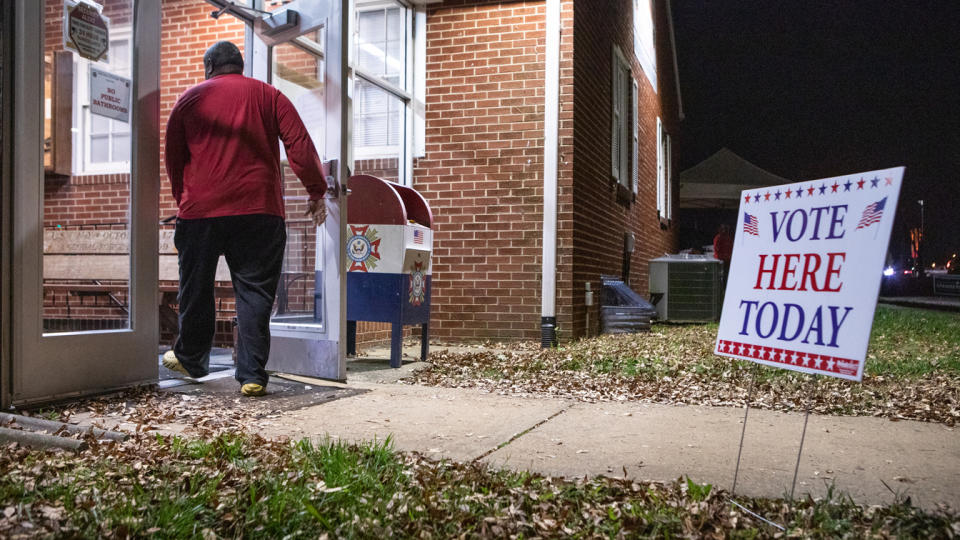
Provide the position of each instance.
(675, 364)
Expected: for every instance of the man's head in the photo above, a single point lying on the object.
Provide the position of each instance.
(222, 58)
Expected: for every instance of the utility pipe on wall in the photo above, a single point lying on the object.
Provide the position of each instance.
(548, 318)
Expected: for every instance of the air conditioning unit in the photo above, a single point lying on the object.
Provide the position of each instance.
(686, 288)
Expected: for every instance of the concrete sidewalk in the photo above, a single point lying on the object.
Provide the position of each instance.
(652, 442)
(867, 458)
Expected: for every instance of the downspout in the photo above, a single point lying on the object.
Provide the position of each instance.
(551, 92)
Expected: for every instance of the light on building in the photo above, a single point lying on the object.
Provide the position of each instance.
(888, 271)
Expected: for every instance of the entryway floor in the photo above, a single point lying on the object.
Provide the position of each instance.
(283, 394)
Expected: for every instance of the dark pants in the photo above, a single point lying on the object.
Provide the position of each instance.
(253, 247)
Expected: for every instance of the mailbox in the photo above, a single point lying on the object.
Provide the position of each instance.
(389, 242)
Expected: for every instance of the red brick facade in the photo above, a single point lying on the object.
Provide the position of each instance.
(483, 171)
(600, 219)
(483, 167)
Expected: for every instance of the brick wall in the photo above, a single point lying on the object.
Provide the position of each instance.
(600, 219)
(483, 168)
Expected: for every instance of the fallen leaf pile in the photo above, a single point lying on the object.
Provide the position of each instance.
(675, 364)
(147, 409)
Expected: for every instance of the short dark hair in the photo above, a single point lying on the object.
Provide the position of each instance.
(220, 54)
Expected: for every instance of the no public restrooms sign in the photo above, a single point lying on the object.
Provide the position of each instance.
(805, 274)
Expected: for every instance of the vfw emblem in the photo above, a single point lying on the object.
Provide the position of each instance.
(418, 285)
(363, 248)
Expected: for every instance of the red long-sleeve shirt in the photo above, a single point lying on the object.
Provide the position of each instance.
(222, 152)
(723, 247)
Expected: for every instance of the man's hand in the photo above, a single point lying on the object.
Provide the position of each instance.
(317, 210)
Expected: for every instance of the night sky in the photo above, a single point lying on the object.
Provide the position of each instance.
(812, 89)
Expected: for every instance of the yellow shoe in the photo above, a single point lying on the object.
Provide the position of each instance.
(170, 362)
(253, 390)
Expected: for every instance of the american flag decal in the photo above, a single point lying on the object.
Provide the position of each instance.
(417, 236)
(750, 224)
(872, 213)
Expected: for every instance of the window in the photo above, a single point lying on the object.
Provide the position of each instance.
(381, 48)
(624, 137)
(383, 100)
(101, 144)
(299, 75)
(643, 39)
(664, 173)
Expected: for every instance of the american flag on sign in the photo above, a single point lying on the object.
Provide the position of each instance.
(417, 236)
(872, 213)
(750, 224)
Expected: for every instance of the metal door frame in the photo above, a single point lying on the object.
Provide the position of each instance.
(56, 366)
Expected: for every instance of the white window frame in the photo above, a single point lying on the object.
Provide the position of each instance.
(635, 169)
(408, 91)
(623, 120)
(644, 39)
(82, 165)
(664, 172)
(669, 168)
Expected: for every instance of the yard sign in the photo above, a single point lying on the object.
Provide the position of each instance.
(806, 269)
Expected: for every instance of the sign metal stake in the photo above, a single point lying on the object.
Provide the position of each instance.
(736, 472)
(796, 469)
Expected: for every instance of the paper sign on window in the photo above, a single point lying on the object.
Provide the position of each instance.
(109, 95)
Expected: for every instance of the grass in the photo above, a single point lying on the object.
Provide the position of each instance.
(235, 485)
(905, 343)
(227, 485)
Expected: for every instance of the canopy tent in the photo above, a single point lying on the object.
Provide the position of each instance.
(717, 181)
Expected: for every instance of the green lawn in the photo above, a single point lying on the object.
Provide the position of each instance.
(909, 342)
(233, 486)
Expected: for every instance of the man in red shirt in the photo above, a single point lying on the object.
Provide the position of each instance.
(723, 249)
(223, 163)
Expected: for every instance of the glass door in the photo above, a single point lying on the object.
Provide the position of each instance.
(307, 61)
(86, 174)
(299, 74)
